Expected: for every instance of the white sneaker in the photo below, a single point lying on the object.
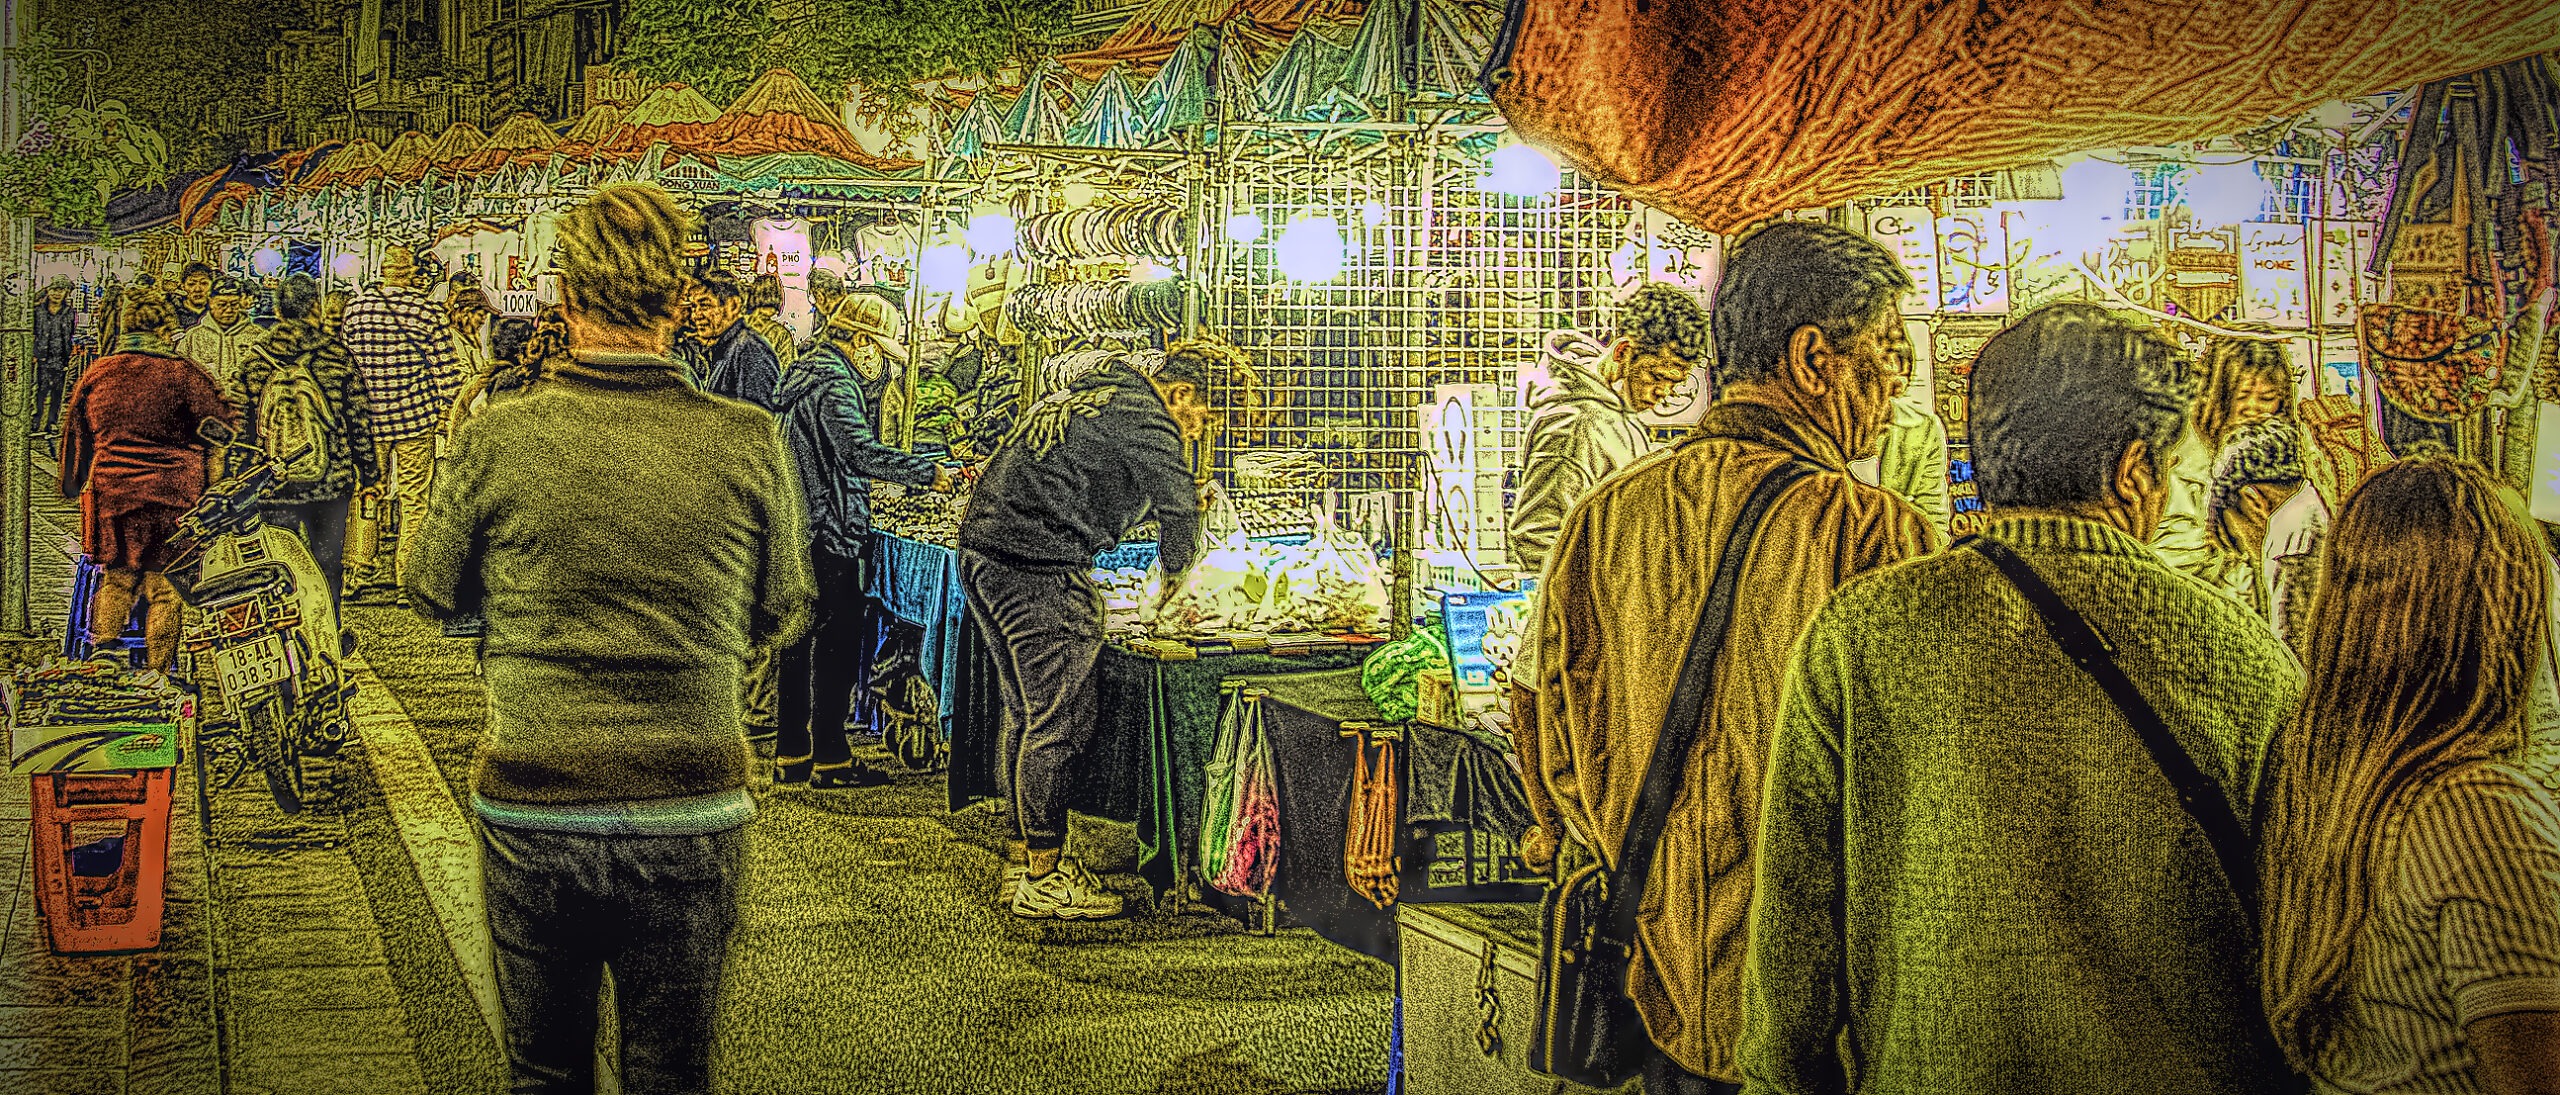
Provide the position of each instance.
(1068, 893)
(1014, 873)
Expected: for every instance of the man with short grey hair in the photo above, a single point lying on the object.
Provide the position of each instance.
(1994, 853)
(1809, 354)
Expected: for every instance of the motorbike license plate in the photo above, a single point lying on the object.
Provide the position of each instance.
(251, 666)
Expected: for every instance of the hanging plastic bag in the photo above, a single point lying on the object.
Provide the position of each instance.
(1369, 861)
(1390, 675)
(1342, 579)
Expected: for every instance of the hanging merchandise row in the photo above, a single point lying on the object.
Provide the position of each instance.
(1122, 231)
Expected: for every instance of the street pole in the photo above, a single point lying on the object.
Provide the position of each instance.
(17, 349)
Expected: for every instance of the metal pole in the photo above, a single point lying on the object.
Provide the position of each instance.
(17, 347)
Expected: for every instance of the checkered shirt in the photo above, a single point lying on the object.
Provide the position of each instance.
(401, 345)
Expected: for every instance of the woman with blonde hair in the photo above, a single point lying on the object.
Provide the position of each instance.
(2411, 869)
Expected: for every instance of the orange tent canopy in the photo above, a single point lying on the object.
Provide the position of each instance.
(1724, 112)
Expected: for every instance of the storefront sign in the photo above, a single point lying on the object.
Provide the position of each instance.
(2274, 274)
(1973, 263)
(2546, 463)
(1911, 234)
(2344, 286)
(782, 249)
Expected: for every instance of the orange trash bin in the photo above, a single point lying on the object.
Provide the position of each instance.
(101, 852)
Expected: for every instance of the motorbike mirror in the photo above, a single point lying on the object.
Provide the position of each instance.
(214, 430)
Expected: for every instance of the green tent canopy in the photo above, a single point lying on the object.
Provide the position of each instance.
(1111, 117)
(1302, 81)
(1178, 96)
(1039, 117)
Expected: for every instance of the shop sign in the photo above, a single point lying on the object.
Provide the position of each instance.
(1911, 234)
(2546, 463)
(2344, 286)
(1973, 263)
(689, 176)
(2274, 274)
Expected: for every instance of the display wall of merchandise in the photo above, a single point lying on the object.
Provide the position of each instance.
(1441, 283)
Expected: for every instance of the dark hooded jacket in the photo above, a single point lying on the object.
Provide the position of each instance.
(1085, 465)
(741, 366)
(836, 450)
(54, 331)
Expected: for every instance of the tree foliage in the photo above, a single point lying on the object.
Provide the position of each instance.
(190, 70)
(46, 175)
(717, 46)
(882, 47)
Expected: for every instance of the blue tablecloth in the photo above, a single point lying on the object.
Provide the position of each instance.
(919, 583)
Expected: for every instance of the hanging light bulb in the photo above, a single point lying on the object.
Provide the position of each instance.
(990, 235)
(2223, 193)
(1311, 250)
(347, 266)
(1520, 171)
(1373, 213)
(267, 262)
(944, 269)
(1244, 228)
(1150, 270)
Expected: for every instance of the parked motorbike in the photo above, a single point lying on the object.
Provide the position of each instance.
(268, 623)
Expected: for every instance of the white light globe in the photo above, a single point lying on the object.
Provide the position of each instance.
(1244, 228)
(1149, 270)
(348, 265)
(1310, 250)
(1373, 213)
(2226, 193)
(1077, 194)
(944, 269)
(990, 235)
(267, 262)
(1520, 171)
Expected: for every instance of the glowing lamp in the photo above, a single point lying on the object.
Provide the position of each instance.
(267, 262)
(348, 265)
(1244, 228)
(1373, 213)
(1149, 270)
(1520, 171)
(990, 235)
(1311, 250)
(945, 269)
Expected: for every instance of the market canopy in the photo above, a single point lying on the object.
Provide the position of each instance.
(1724, 112)
(1111, 117)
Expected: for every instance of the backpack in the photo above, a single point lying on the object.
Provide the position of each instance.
(295, 426)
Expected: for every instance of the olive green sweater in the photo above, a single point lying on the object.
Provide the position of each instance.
(629, 539)
(1973, 879)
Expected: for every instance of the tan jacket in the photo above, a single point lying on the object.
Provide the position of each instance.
(1626, 581)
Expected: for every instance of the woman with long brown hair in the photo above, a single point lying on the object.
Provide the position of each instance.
(2411, 870)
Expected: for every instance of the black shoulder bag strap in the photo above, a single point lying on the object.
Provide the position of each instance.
(2203, 798)
(1686, 716)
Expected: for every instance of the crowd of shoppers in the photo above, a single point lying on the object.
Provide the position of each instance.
(2168, 780)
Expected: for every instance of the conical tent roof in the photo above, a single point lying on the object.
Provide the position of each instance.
(406, 157)
(459, 140)
(1110, 118)
(1373, 75)
(672, 104)
(1239, 80)
(1300, 79)
(1039, 117)
(523, 131)
(598, 125)
(779, 91)
(1456, 37)
(358, 155)
(980, 124)
(1179, 94)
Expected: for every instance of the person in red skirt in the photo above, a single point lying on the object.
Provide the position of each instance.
(130, 454)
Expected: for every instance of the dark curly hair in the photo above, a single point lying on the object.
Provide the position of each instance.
(1221, 372)
(1660, 318)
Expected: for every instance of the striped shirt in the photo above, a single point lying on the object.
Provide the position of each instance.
(2465, 924)
(401, 345)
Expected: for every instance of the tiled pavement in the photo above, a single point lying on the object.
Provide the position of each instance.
(270, 976)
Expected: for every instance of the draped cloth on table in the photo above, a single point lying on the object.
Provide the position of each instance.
(1723, 112)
